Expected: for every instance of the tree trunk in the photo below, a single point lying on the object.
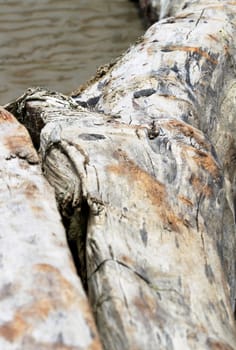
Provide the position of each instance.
(145, 177)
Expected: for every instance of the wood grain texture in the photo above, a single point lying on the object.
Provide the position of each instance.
(152, 155)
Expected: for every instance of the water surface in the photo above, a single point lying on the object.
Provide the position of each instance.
(59, 44)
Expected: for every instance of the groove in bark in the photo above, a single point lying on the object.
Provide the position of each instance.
(76, 228)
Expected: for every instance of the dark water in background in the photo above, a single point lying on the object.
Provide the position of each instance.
(60, 43)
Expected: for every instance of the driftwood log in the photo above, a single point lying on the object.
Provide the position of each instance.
(42, 302)
(142, 160)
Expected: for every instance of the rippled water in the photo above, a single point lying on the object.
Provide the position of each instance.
(59, 44)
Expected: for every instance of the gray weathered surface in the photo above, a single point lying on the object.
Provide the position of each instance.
(149, 171)
(42, 302)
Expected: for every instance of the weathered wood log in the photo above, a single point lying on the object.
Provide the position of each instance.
(183, 68)
(145, 179)
(156, 203)
(164, 79)
(42, 302)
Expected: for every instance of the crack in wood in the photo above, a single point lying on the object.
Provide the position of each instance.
(197, 212)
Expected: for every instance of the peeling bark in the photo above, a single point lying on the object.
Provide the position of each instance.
(145, 179)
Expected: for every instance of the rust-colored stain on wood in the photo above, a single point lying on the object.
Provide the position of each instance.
(213, 37)
(203, 159)
(38, 310)
(6, 116)
(188, 131)
(144, 182)
(14, 329)
(64, 294)
(145, 306)
(150, 50)
(127, 260)
(95, 345)
(173, 221)
(150, 310)
(50, 276)
(191, 49)
(200, 186)
(16, 143)
(52, 291)
(39, 211)
(19, 144)
(185, 200)
(15, 138)
(207, 162)
(216, 345)
(30, 190)
(156, 190)
(25, 318)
